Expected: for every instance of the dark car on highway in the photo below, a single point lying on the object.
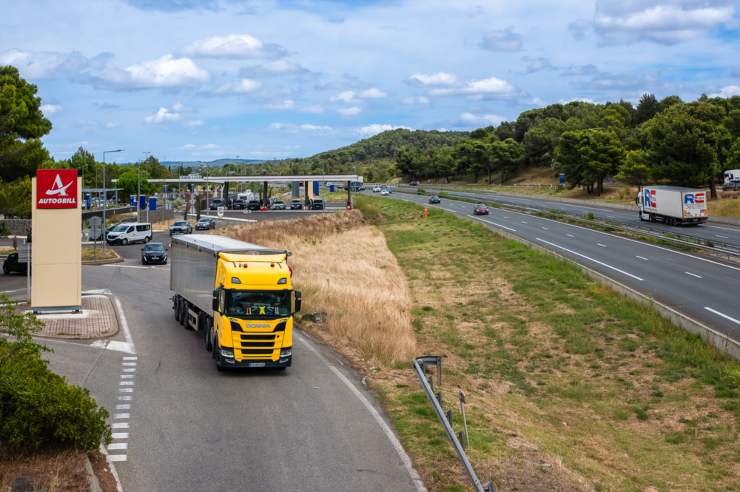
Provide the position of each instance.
(238, 204)
(278, 205)
(12, 265)
(253, 205)
(205, 224)
(317, 204)
(215, 203)
(480, 209)
(296, 205)
(181, 227)
(153, 253)
(434, 199)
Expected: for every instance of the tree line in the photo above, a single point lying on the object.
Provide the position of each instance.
(664, 141)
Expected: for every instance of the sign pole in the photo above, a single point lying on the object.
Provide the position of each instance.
(28, 273)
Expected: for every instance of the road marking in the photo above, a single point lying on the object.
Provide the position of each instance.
(415, 478)
(506, 217)
(127, 376)
(723, 237)
(119, 425)
(117, 445)
(128, 364)
(524, 222)
(569, 235)
(591, 259)
(119, 435)
(121, 416)
(123, 406)
(601, 244)
(129, 369)
(642, 258)
(130, 357)
(492, 223)
(723, 228)
(737, 322)
(117, 457)
(545, 228)
(126, 383)
(125, 390)
(693, 274)
(124, 397)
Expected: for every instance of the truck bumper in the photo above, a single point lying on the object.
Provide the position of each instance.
(254, 363)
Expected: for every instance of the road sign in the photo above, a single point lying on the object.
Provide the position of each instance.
(220, 211)
(96, 226)
(24, 254)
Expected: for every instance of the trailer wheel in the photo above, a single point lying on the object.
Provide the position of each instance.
(176, 308)
(184, 313)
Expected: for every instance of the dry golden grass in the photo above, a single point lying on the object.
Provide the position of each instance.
(50, 471)
(345, 270)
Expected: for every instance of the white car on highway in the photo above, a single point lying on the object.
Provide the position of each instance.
(385, 191)
(376, 189)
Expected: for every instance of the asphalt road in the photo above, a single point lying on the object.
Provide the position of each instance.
(700, 288)
(190, 427)
(719, 233)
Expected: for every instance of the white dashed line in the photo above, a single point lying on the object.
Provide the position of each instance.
(693, 274)
(492, 223)
(601, 245)
(723, 237)
(117, 445)
(129, 369)
(124, 397)
(737, 322)
(119, 425)
(544, 228)
(123, 406)
(591, 259)
(128, 364)
(117, 457)
(127, 376)
(119, 435)
(569, 234)
(524, 222)
(642, 258)
(126, 383)
(125, 390)
(121, 416)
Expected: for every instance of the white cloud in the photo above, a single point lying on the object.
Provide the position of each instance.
(50, 109)
(491, 86)
(281, 105)
(210, 146)
(665, 24)
(193, 123)
(167, 71)
(162, 115)
(344, 96)
(189, 146)
(350, 111)
(375, 128)
(439, 78)
(302, 128)
(232, 46)
(415, 100)
(727, 91)
(315, 128)
(372, 93)
(112, 124)
(243, 86)
(502, 40)
(481, 119)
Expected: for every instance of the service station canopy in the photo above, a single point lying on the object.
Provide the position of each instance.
(260, 179)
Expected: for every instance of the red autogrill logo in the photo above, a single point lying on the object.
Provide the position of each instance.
(56, 188)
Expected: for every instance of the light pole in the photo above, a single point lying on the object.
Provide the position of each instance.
(105, 194)
(138, 189)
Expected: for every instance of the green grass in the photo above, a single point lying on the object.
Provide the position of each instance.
(587, 376)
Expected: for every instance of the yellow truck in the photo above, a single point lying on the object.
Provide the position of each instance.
(238, 296)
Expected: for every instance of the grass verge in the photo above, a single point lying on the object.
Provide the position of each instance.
(97, 253)
(569, 385)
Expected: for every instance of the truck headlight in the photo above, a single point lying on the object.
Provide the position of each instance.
(227, 353)
(286, 352)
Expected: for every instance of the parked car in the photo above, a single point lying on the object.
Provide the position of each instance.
(253, 205)
(376, 189)
(154, 253)
(181, 227)
(216, 203)
(239, 204)
(317, 204)
(296, 204)
(12, 265)
(434, 199)
(205, 224)
(480, 209)
(278, 205)
(130, 233)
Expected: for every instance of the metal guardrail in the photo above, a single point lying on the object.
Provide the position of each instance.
(445, 418)
(728, 249)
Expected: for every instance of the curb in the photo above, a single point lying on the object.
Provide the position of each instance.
(718, 340)
(117, 259)
(92, 479)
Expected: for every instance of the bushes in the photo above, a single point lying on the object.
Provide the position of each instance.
(39, 409)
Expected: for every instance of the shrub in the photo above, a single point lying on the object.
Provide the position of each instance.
(39, 409)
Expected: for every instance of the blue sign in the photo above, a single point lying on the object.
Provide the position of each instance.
(562, 179)
(132, 200)
(142, 202)
(153, 203)
(316, 188)
(331, 188)
(88, 201)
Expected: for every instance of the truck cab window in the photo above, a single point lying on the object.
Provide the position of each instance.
(258, 304)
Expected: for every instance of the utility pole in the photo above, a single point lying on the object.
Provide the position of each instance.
(138, 189)
(105, 194)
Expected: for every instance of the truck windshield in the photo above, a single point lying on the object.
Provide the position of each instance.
(254, 304)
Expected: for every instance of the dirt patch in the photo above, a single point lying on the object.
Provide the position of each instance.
(102, 470)
(49, 471)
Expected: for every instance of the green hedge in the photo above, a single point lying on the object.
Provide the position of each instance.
(39, 409)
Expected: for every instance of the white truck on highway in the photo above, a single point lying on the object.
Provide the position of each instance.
(732, 179)
(238, 295)
(672, 204)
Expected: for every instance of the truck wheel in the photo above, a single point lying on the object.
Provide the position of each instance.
(208, 337)
(176, 308)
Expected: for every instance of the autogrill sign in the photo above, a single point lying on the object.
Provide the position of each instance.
(56, 188)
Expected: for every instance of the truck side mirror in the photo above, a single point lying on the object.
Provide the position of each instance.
(214, 301)
(297, 301)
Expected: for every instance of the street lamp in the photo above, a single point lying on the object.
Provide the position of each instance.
(105, 194)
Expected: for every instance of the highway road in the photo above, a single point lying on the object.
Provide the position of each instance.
(179, 424)
(703, 289)
(719, 233)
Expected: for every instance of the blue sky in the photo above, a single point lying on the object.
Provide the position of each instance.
(206, 79)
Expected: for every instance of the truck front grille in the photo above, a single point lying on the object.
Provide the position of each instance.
(256, 345)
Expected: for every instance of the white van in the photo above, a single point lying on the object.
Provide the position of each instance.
(129, 232)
